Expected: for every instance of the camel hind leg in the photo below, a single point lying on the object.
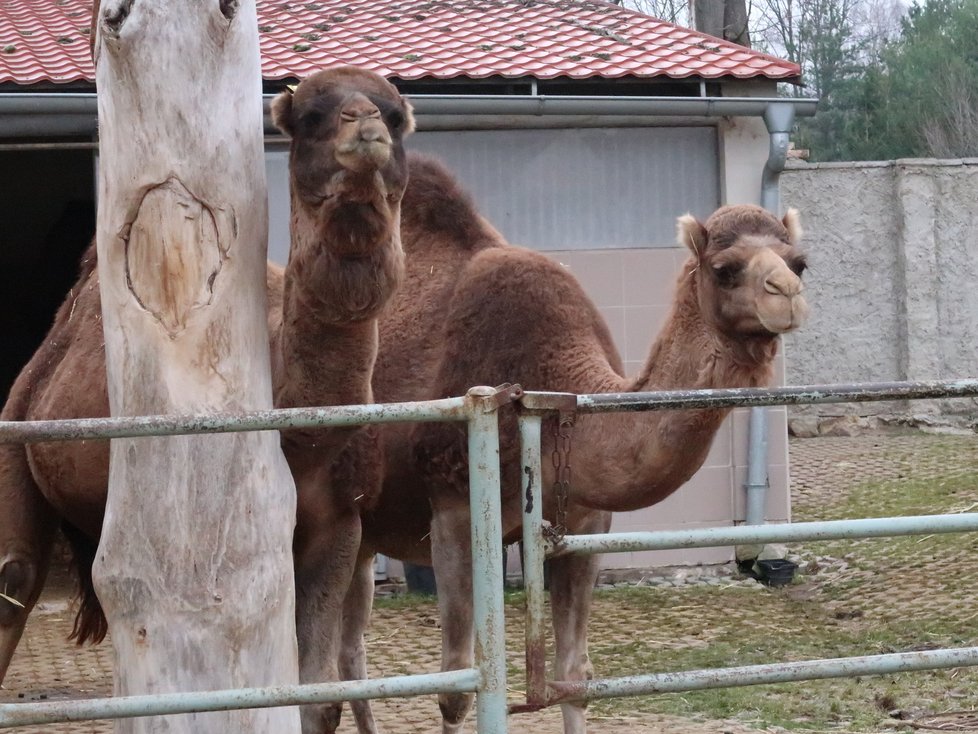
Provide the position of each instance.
(27, 527)
(90, 622)
(572, 580)
(451, 554)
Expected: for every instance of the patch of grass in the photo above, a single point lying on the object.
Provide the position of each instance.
(716, 630)
(414, 602)
(885, 595)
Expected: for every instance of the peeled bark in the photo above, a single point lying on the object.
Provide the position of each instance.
(194, 568)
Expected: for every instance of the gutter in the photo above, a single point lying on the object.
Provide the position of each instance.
(43, 115)
(779, 118)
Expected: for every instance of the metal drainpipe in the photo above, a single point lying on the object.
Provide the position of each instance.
(779, 118)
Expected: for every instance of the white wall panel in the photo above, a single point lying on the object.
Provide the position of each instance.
(582, 189)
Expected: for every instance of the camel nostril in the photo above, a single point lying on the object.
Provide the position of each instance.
(774, 289)
(787, 285)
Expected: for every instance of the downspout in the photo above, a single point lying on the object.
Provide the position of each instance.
(779, 117)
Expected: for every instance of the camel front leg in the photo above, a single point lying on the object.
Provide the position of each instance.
(356, 616)
(451, 554)
(27, 527)
(326, 546)
(572, 580)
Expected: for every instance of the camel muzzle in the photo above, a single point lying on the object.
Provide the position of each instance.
(364, 143)
(780, 314)
(365, 153)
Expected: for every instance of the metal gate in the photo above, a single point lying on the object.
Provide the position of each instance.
(479, 409)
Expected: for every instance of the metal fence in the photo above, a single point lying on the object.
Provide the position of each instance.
(479, 409)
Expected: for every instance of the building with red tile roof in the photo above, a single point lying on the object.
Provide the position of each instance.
(580, 127)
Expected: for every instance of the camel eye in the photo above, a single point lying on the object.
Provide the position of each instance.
(727, 275)
(798, 265)
(311, 120)
(395, 119)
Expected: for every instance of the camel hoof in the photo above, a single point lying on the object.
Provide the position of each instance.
(454, 707)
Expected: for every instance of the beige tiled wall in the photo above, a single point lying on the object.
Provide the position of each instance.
(633, 289)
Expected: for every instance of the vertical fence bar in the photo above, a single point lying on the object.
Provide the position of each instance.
(533, 558)
(487, 560)
(757, 477)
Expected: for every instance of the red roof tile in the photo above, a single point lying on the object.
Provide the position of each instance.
(47, 40)
(44, 41)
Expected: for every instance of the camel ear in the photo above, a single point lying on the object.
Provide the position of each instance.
(792, 223)
(690, 233)
(282, 112)
(408, 118)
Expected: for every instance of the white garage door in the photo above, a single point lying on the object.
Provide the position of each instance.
(567, 189)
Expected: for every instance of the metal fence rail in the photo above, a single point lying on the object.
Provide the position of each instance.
(479, 410)
(49, 712)
(538, 545)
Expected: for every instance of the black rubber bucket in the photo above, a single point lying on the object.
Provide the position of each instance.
(777, 571)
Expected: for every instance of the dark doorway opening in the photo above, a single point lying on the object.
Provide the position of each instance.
(47, 200)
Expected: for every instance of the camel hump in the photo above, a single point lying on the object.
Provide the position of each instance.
(79, 312)
(502, 286)
(530, 272)
(435, 203)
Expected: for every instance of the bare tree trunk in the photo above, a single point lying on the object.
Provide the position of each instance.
(735, 22)
(707, 16)
(726, 19)
(194, 569)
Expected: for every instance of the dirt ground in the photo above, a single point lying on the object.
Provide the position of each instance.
(406, 640)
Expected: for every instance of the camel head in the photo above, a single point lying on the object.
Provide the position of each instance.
(347, 152)
(748, 268)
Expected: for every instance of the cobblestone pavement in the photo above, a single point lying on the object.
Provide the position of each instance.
(402, 641)
(407, 640)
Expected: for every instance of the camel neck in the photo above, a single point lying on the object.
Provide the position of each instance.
(331, 300)
(656, 452)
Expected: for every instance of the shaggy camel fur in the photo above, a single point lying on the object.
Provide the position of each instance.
(477, 311)
(347, 176)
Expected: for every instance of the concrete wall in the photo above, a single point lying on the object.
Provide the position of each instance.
(893, 284)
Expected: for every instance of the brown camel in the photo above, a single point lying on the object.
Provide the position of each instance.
(477, 311)
(347, 176)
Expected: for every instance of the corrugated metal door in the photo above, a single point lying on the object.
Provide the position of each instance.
(568, 189)
(584, 189)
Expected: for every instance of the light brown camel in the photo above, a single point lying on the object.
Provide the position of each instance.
(347, 176)
(476, 311)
